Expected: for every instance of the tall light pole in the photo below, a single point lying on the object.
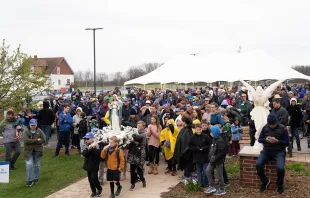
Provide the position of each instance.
(94, 33)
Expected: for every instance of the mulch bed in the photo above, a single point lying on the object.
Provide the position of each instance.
(296, 186)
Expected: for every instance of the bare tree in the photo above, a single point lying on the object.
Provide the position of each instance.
(87, 77)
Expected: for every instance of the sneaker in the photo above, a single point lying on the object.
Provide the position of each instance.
(168, 172)
(132, 187)
(220, 192)
(280, 190)
(36, 181)
(264, 187)
(174, 173)
(67, 154)
(55, 156)
(144, 184)
(112, 196)
(118, 191)
(227, 184)
(98, 194)
(29, 184)
(93, 195)
(210, 190)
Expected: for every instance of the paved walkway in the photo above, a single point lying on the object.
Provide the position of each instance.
(155, 186)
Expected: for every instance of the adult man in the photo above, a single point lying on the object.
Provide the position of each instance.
(8, 131)
(65, 121)
(86, 106)
(46, 119)
(274, 137)
(244, 105)
(295, 120)
(280, 112)
(306, 101)
(125, 110)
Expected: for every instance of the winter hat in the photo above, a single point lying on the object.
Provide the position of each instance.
(293, 99)
(215, 130)
(272, 119)
(33, 122)
(138, 138)
(133, 111)
(79, 108)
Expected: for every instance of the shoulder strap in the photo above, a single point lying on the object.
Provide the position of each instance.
(118, 159)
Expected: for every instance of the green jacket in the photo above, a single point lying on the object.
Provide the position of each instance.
(244, 106)
(32, 144)
(226, 128)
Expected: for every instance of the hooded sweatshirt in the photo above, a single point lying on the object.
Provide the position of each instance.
(76, 121)
(218, 147)
(8, 131)
(46, 115)
(295, 114)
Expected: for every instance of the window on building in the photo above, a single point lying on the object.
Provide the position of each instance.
(58, 70)
(59, 82)
(68, 81)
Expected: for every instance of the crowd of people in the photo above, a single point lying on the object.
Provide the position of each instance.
(194, 129)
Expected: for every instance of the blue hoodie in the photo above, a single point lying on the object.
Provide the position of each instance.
(216, 131)
(65, 122)
(216, 118)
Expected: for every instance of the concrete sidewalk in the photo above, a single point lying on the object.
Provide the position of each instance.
(155, 186)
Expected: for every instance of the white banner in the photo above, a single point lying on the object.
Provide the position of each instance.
(4, 172)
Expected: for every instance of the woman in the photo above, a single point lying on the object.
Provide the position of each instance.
(115, 113)
(197, 114)
(34, 139)
(153, 132)
(233, 102)
(76, 120)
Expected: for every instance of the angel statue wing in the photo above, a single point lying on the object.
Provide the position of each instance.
(271, 88)
(249, 88)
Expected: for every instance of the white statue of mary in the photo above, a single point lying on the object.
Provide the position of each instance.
(115, 113)
(260, 111)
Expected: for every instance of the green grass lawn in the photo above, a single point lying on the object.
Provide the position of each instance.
(55, 175)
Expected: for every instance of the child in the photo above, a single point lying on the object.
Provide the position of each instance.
(216, 156)
(226, 131)
(168, 138)
(19, 125)
(91, 153)
(206, 128)
(136, 158)
(236, 131)
(199, 144)
(115, 164)
(82, 128)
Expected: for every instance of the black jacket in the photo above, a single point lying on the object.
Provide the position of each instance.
(46, 115)
(296, 116)
(200, 146)
(83, 128)
(182, 153)
(87, 108)
(217, 152)
(92, 159)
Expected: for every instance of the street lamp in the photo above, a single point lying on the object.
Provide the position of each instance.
(94, 33)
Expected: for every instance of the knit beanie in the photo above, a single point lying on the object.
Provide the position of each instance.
(215, 130)
(272, 119)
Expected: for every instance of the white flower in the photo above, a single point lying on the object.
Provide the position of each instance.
(185, 182)
(194, 182)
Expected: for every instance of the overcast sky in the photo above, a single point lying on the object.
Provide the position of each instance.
(140, 31)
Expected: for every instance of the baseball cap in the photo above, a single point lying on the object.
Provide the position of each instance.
(89, 135)
(243, 95)
(60, 98)
(33, 122)
(125, 99)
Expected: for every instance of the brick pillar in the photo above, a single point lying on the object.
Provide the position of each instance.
(248, 174)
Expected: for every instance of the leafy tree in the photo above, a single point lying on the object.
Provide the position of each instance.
(18, 81)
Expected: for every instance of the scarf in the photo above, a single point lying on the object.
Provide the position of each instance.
(111, 149)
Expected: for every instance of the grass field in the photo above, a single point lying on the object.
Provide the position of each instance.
(55, 175)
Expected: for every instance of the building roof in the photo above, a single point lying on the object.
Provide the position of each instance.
(51, 63)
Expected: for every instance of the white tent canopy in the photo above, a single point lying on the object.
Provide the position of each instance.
(254, 66)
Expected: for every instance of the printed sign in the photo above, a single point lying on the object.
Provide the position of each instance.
(4, 172)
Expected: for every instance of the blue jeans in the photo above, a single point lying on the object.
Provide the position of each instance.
(33, 161)
(201, 170)
(295, 133)
(265, 157)
(47, 129)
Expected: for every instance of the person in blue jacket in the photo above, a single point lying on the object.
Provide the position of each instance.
(65, 121)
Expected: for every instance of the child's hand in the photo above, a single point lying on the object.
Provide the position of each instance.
(106, 147)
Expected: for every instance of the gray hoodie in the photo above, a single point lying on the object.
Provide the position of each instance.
(8, 131)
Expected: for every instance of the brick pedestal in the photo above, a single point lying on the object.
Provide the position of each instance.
(248, 174)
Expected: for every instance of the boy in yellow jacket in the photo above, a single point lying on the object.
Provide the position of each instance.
(168, 138)
(115, 164)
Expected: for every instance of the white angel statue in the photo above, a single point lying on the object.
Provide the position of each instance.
(260, 111)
